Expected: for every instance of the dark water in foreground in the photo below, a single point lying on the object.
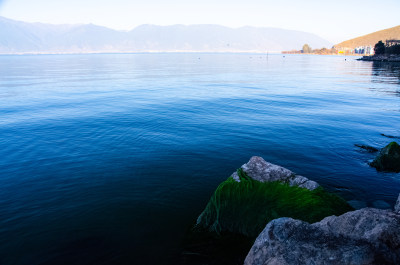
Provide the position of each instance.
(107, 159)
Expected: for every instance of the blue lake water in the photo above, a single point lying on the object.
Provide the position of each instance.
(109, 158)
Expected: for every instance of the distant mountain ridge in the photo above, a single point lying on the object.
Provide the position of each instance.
(23, 37)
(372, 38)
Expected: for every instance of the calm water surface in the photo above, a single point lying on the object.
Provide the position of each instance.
(107, 159)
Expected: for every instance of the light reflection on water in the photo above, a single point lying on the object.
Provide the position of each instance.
(109, 158)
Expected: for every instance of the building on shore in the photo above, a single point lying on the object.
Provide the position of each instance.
(360, 50)
(390, 43)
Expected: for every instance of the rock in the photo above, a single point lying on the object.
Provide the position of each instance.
(380, 204)
(369, 149)
(397, 206)
(357, 204)
(258, 169)
(260, 192)
(366, 236)
(302, 182)
(388, 158)
(390, 136)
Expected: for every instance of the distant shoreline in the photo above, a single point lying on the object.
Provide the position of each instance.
(380, 58)
(299, 53)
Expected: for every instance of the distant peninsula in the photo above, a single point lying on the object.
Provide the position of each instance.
(369, 39)
(363, 45)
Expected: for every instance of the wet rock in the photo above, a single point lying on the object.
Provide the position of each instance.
(258, 169)
(366, 236)
(369, 149)
(397, 206)
(390, 136)
(388, 158)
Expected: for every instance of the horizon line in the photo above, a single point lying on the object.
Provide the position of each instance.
(158, 25)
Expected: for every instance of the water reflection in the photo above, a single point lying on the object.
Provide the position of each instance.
(384, 73)
(108, 158)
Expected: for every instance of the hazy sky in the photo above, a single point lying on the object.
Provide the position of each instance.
(333, 20)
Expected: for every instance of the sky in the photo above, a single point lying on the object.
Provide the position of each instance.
(335, 21)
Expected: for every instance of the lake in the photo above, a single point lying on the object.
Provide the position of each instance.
(110, 158)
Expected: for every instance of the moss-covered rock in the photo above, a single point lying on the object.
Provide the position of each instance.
(242, 205)
(247, 205)
(388, 158)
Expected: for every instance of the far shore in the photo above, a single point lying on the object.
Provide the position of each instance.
(381, 58)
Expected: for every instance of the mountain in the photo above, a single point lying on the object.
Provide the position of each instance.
(22, 37)
(372, 38)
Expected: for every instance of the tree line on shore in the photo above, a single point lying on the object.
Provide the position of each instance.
(381, 49)
(308, 50)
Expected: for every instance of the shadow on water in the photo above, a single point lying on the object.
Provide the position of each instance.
(384, 73)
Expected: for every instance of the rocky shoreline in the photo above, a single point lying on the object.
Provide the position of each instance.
(288, 219)
(366, 236)
(380, 58)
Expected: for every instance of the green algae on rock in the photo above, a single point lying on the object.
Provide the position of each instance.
(244, 205)
(388, 158)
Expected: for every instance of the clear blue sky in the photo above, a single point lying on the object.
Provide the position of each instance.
(334, 20)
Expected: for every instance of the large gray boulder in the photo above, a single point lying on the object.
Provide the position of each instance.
(258, 169)
(397, 206)
(366, 236)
